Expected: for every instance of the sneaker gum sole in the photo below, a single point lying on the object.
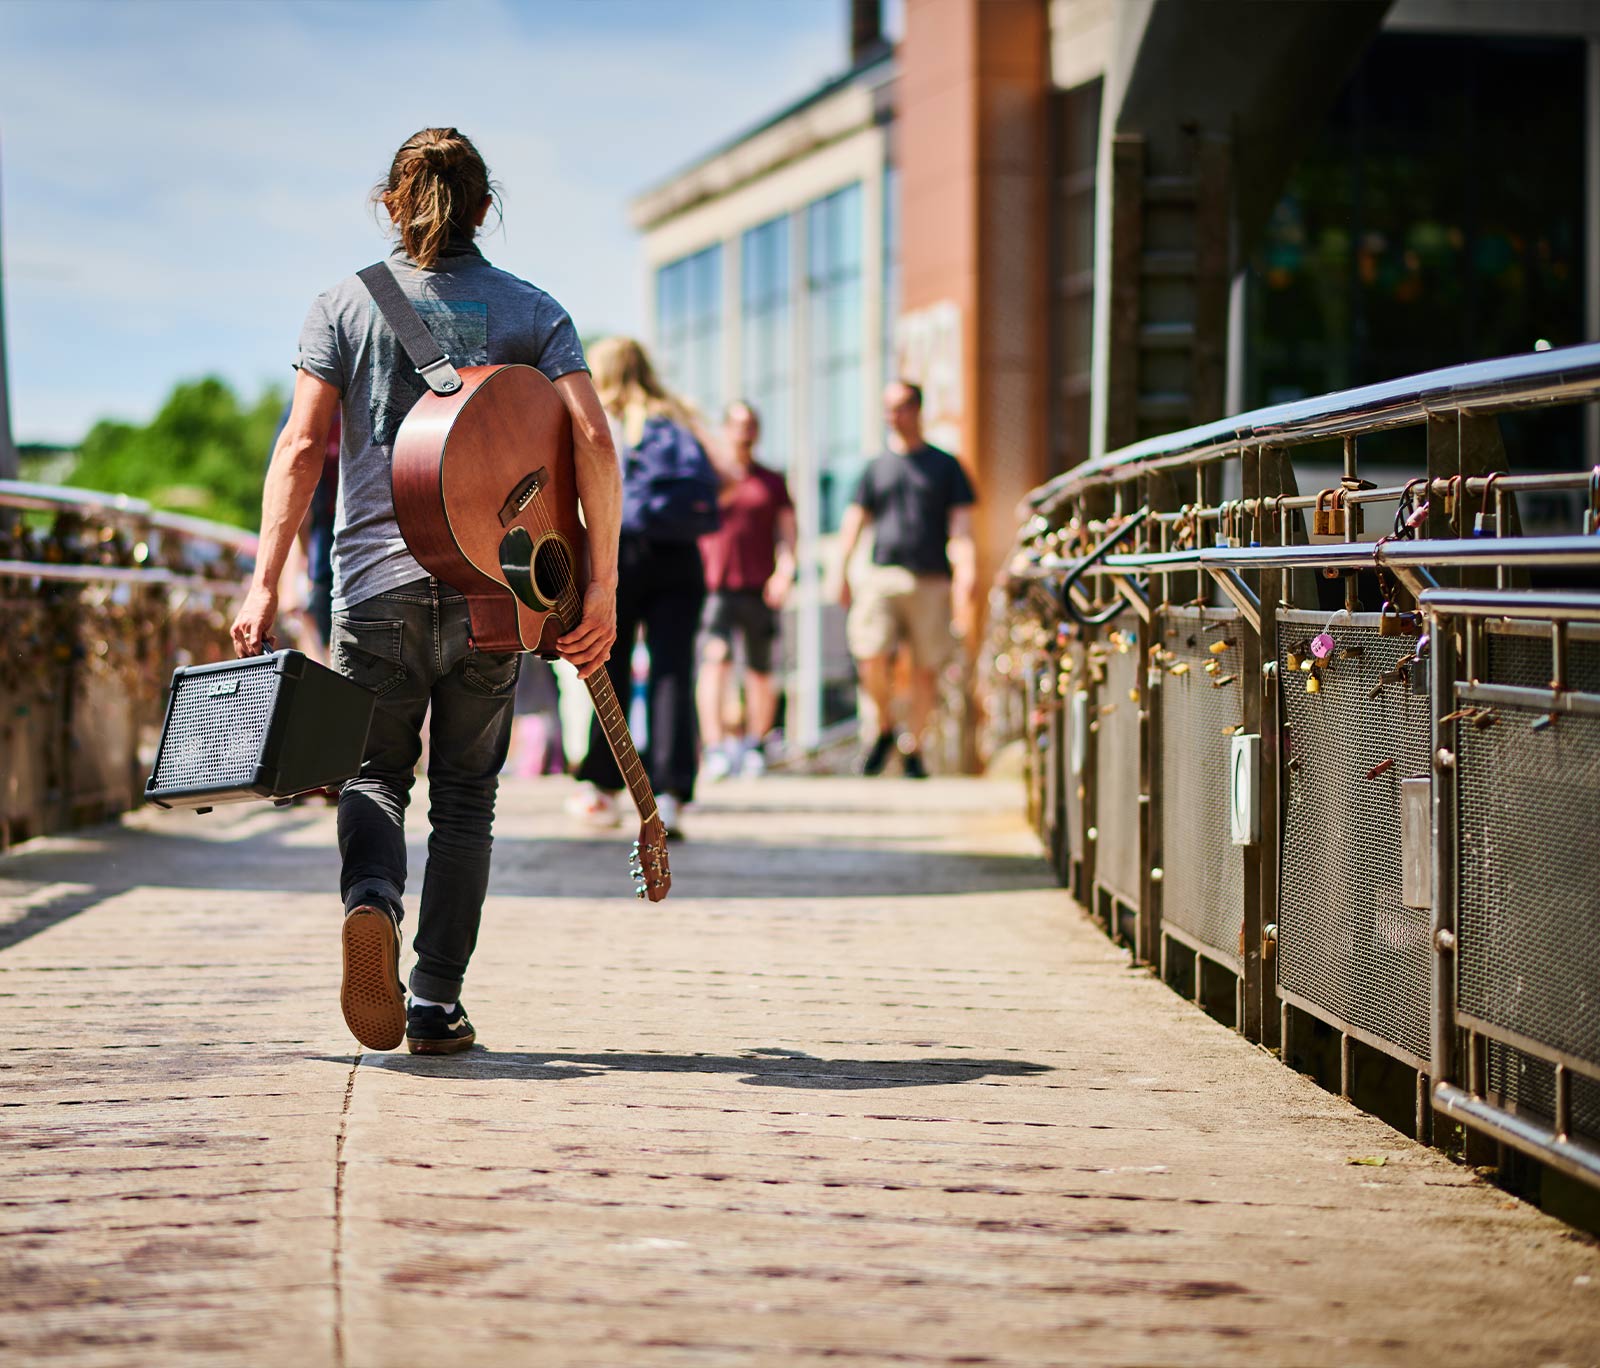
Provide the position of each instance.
(440, 1046)
(374, 1007)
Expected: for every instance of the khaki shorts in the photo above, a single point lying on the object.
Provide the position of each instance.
(889, 604)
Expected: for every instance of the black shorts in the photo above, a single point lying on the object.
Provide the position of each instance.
(743, 611)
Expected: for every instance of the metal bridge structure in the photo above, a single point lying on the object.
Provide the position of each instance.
(1329, 760)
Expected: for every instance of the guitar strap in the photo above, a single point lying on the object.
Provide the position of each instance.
(401, 315)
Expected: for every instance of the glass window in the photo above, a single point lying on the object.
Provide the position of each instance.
(834, 305)
(891, 268)
(766, 363)
(689, 327)
(1422, 229)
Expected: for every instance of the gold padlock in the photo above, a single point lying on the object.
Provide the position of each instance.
(1328, 518)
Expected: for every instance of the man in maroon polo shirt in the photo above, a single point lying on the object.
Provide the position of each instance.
(750, 566)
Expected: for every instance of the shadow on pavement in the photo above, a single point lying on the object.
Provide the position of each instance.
(105, 862)
(760, 1068)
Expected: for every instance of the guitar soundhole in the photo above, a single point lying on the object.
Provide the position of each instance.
(552, 570)
(540, 575)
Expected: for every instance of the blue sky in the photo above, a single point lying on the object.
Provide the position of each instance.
(177, 180)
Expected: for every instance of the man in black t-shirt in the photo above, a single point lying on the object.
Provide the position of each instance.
(919, 502)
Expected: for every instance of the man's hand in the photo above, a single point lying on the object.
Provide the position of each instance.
(588, 645)
(775, 592)
(963, 605)
(252, 629)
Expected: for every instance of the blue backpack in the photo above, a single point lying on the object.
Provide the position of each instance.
(669, 488)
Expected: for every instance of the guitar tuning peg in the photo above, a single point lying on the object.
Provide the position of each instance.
(639, 892)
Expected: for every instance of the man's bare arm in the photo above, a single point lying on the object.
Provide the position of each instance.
(963, 568)
(850, 529)
(599, 476)
(783, 572)
(291, 481)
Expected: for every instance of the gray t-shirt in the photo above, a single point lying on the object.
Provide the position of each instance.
(480, 316)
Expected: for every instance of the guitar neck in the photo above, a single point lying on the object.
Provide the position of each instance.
(614, 722)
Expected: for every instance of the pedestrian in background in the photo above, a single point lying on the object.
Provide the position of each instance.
(669, 499)
(919, 502)
(750, 567)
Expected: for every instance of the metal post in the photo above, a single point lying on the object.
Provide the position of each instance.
(1443, 680)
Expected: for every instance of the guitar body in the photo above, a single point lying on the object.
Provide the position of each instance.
(486, 495)
(462, 462)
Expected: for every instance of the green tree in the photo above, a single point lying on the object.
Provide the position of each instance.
(205, 453)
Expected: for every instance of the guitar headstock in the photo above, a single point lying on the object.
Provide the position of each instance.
(652, 875)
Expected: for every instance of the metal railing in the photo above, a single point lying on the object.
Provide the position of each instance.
(101, 596)
(1337, 782)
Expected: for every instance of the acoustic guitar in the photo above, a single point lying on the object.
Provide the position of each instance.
(486, 496)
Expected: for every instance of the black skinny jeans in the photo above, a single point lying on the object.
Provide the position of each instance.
(662, 586)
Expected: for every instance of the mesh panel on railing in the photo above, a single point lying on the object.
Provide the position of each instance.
(1529, 958)
(1346, 943)
(1203, 871)
(1117, 768)
(1049, 752)
(1526, 1085)
(1523, 659)
(1072, 679)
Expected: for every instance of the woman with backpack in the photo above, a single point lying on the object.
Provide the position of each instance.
(669, 499)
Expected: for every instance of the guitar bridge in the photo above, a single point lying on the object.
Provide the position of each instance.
(522, 496)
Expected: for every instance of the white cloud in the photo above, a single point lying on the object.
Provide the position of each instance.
(180, 179)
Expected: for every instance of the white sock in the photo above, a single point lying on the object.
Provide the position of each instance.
(426, 1002)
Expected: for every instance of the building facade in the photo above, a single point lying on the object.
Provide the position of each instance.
(1082, 222)
(771, 276)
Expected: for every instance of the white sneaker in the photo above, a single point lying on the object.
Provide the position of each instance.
(593, 807)
(717, 764)
(753, 764)
(671, 811)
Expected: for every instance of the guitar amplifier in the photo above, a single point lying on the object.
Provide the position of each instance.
(269, 726)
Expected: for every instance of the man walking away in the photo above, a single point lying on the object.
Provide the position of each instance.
(919, 502)
(749, 571)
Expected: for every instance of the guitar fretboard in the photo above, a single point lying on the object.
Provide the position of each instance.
(613, 720)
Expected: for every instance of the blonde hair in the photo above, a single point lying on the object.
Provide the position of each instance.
(436, 184)
(629, 390)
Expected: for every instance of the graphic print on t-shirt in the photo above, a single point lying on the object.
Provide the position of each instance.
(459, 326)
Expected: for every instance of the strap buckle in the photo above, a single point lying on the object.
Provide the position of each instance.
(441, 377)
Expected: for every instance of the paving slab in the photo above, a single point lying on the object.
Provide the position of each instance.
(867, 1088)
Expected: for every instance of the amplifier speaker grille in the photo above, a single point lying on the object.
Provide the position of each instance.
(268, 727)
(196, 749)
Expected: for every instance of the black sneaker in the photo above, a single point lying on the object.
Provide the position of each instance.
(432, 1030)
(911, 762)
(878, 756)
(373, 1000)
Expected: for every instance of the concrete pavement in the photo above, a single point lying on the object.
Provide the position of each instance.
(867, 1088)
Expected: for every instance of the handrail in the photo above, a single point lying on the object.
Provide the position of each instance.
(1565, 605)
(115, 574)
(1100, 552)
(1559, 375)
(42, 498)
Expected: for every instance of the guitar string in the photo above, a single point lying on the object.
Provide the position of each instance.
(569, 610)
